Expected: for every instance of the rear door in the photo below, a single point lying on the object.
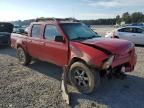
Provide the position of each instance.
(35, 43)
(138, 35)
(54, 52)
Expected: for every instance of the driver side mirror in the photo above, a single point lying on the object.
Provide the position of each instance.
(59, 39)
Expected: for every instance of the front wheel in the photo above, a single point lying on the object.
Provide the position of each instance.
(23, 57)
(83, 78)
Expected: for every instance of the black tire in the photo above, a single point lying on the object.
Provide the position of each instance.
(23, 57)
(85, 82)
(116, 37)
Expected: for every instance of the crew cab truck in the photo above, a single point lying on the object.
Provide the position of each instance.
(68, 42)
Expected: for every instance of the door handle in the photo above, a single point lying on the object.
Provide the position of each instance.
(133, 35)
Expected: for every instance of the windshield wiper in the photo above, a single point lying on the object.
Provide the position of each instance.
(91, 37)
(84, 38)
(94, 36)
(80, 38)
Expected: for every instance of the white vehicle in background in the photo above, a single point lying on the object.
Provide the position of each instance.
(134, 34)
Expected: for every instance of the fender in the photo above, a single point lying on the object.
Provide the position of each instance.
(92, 59)
(20, 43)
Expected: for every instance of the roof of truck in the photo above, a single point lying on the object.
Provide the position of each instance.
(55, 20)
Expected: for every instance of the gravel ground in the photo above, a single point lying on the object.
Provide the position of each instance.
(38, 86)
(35, 86)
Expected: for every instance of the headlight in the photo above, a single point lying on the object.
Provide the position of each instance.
(108, 63)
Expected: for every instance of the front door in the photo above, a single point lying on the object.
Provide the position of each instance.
(54, 52)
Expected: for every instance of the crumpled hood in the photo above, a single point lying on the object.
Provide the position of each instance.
(115, 46)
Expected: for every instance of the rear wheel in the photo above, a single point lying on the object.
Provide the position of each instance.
(83, 78)
(23, 57)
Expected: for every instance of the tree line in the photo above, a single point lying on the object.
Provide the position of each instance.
(111, 21)
(23, 23)
(136, 17)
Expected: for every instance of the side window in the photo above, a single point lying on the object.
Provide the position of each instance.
(137, 30)
(50, 32)
(36, 30)
(128, 30)
(121, 30)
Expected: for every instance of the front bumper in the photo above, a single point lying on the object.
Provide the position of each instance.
(126, 60)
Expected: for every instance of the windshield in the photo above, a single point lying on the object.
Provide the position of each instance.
(78, 31)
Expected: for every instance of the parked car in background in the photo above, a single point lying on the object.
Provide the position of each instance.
(134, 34)
(19, 29)
(139, 25)
(68, 42)
(5, 33)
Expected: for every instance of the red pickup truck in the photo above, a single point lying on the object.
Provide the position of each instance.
(71, 43)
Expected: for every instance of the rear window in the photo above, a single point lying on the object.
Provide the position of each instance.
(138, 30)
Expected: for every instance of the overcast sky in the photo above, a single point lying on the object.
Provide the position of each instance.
(81, 9)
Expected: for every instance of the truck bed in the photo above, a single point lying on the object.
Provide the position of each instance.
(17, 37)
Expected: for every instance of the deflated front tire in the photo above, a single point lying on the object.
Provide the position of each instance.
(83, 78)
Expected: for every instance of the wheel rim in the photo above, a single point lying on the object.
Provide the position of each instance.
(21, 55)
(80, 78)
